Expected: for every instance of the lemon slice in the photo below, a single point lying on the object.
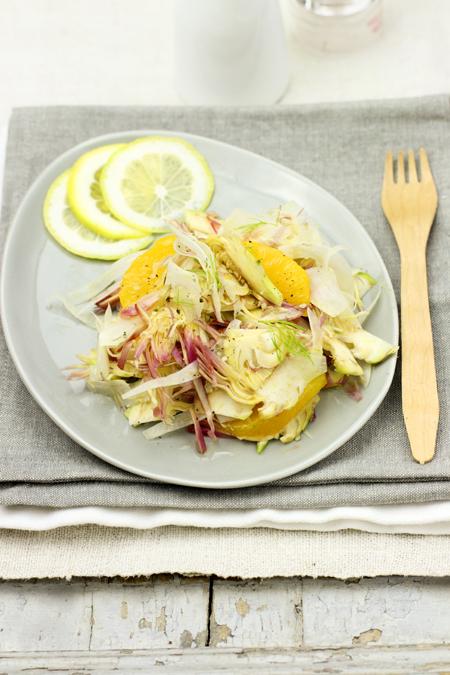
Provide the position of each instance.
(155, 179)
(86, 199)
(75, 237)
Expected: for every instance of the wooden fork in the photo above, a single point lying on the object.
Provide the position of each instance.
(409, 204)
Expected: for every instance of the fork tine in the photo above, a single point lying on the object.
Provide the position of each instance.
(400, 168)
(425, 171)
(412, 171)
(389, 168)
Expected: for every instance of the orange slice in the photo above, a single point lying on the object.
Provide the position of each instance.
(145, 274)
(283, 271)
(256, 428)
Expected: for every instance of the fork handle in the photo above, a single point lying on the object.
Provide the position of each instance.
(419, 390)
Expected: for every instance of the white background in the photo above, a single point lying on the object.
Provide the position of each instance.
(120, 52)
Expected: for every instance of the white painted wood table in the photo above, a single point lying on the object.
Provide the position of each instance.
(200, 625)
(79, 51)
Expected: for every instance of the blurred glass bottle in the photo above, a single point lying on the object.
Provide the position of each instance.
(229, 51)
(334, 25)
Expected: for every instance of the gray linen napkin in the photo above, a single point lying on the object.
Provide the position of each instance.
(341, 147)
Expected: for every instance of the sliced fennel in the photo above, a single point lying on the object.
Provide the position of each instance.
(109, 275)
(180, 421)
(222, 404)
(115, 330)
(287, 382)
(186, 374)
(188, 245)
(325, 292)
(185, 290)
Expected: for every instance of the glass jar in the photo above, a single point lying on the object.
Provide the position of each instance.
(335, 25)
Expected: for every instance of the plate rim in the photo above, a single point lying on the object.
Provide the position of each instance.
(296, 467)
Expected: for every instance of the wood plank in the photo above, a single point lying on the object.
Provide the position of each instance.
(256, 613)
(216, 661)
(385, 611)
(44, 616)
(159, 612)
(102, 615)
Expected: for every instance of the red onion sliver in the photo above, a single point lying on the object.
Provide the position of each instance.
(200, 438)
(177, 356)
(121, 361)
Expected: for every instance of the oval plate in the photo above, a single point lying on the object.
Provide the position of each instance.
(243, 180)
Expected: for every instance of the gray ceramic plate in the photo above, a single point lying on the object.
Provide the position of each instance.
(245, 180)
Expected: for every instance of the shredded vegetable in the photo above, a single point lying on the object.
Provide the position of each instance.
(214, 343)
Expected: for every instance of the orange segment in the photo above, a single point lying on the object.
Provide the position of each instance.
(283, 271)
(256, 428)
(144, 275)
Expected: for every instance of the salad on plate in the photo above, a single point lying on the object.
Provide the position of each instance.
(229, 327)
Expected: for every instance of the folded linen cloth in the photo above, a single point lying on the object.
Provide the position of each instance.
(339, 146)
(94, 551)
